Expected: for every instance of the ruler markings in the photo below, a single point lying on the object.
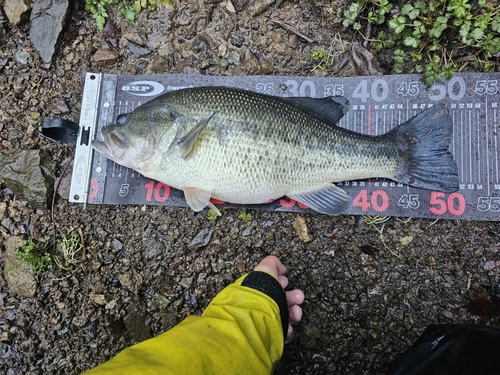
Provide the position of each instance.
(469, 145)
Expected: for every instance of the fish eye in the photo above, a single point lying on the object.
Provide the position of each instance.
(120, 119)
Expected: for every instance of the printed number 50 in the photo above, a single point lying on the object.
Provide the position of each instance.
(455, 203)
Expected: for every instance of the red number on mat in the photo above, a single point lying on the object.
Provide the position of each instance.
(379, 200)
(161, 191)
(455, 203)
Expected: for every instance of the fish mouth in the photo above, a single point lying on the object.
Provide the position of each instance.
(113, 146)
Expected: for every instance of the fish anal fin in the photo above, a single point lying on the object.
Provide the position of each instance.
(198, 199)
(330, 200)
(188, 140)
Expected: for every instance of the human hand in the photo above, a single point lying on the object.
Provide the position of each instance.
(294, 297)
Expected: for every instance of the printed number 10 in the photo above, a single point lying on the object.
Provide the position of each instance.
(160, 192)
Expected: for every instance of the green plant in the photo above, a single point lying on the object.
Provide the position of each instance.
(326, 57)
(129, 9)
(428, 34)
(211, 215)
(34, 254)
(245, 216)
(69, 245)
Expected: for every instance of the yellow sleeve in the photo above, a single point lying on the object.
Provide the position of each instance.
(240, 332)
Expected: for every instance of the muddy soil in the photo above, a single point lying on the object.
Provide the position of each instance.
(367, 297)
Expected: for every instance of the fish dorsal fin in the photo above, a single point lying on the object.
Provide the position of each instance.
(187, 141)
(196, 198)
(332, 108)
(330, 200)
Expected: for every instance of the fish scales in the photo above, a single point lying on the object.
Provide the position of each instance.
(244, 147)
(277, 146)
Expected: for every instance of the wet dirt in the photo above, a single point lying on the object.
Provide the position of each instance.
(146, 268)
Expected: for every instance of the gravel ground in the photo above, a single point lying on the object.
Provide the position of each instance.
(143, 269)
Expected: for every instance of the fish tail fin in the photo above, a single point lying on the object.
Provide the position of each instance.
(423, 141)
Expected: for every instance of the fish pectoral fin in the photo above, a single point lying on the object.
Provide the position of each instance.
(187, 141)
(330, 200)
(197, 199)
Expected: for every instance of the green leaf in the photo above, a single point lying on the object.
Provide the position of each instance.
(492, 45)
(130, 15)
(495, 24)
(464, 30)
(398, 24)
(438, 27)
(421, 5)
(477, 34)
(407, 8)
(99, 20)
(429, 81)
(416, 56)
(167, 4)
(483, 21)
(410, 11)
(410, 41)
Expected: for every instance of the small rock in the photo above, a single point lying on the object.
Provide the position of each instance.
(111, 305)
(364, 62)
(17, 11)
(111, 34)
(19, 275)
(29, 174)
(105, 57)
(406, 240)
(313, 332)
(3, 210)
(100, 299)
(489, 265)
(186, 282)
(131, 280)
(117, 245)
(202, 239)
(136, 322)
(301, 228)
(6, 336)
(138, 50)
(47, 20)
(22, 57)
(431, 261)
(80, 320)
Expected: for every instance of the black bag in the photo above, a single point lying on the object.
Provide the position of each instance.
(451, 349)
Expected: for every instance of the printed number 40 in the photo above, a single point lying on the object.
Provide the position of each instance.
(378, 200)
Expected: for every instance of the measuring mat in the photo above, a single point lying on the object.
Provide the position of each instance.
(378, 104)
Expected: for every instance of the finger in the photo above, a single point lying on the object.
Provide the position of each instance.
(272, 265)
(294, 314)
(289, 335)
(283, 281)
(295, 297)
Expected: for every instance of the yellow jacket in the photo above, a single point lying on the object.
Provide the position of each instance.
(241, 332)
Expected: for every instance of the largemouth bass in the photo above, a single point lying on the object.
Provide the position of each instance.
(248, 148)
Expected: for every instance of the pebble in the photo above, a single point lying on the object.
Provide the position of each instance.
(105, 57)
(301, 228)
(22, 57)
